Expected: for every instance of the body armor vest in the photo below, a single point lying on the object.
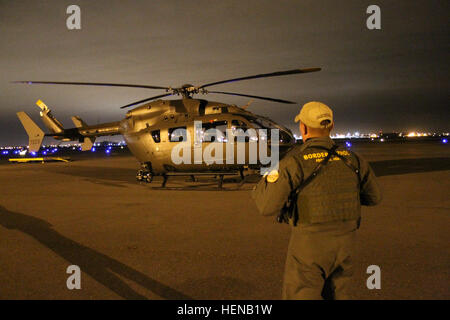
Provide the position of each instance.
(333, 195)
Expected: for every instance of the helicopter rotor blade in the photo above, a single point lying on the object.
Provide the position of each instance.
(264, 75)
(145, 100)
(256, 97)
(94, 84)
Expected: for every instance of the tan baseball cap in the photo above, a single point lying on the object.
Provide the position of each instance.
(313, 113)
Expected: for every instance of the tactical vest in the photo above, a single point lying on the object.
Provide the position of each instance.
(333, 195)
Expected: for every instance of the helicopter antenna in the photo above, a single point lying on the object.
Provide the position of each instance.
(247, 105)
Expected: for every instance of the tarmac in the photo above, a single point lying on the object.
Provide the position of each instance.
(135, 240)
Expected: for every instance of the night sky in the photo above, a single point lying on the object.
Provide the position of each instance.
(394, 79)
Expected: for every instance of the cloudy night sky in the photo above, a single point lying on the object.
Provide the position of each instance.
(394, 79)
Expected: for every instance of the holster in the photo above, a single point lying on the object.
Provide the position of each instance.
(289, 213)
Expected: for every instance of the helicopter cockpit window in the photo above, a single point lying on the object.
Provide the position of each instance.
(260, 123)
(218, 135)
(285, 137)
(177, 134)
(238, 124)
(156, 135)
(239, 129)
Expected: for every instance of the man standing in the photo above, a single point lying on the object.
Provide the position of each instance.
(326, 187)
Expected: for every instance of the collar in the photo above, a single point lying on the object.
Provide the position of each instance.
(319, 140)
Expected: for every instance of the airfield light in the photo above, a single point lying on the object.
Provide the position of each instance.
(444, 140)
(108, 151)
(382, 140)
(348, 144)
(44, 153)
(93, 149)
(33, 153)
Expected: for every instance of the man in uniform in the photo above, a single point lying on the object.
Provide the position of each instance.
(326, 208)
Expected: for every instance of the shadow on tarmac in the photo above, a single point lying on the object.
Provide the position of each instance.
(99, 266)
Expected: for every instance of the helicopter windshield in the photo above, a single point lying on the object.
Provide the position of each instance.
(261, 123)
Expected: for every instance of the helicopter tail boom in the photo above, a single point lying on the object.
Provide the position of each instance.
(82, 132)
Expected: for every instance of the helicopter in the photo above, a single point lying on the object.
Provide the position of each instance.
(153, 129)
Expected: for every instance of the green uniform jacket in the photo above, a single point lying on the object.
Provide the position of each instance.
(336, 194)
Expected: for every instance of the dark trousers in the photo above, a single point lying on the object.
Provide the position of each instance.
(319, 261)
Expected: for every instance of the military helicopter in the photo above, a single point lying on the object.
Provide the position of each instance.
(151, 129)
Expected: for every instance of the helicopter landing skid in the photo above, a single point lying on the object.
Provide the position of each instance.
(194, 174)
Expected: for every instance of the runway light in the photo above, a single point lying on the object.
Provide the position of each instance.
(5, 152)
(108, 151)
(93, 149)
(348, 144)
(33, 153)
(444, 140)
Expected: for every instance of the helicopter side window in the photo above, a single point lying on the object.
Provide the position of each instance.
(239, 129)
(238, 124)
(156, 135)
(217, 135)
(177, 134)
